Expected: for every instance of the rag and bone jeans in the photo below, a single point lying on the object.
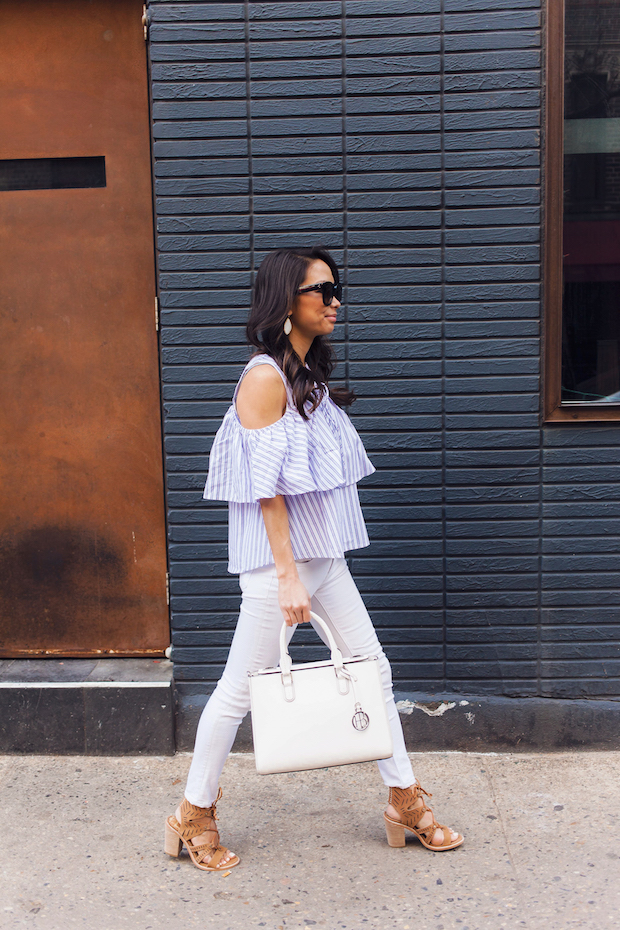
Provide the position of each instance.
(255, 645)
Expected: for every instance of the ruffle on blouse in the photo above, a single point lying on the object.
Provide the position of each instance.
(292, 456)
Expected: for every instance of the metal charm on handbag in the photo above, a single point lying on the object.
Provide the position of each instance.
(320, 713)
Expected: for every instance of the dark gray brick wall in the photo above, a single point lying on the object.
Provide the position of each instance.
(580, 601)
(491, 346)
(405, 135)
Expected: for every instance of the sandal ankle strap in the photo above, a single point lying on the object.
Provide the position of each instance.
(196, 820)
(404, 796)
(404, 800)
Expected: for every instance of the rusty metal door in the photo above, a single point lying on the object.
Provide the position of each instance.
(82, 538)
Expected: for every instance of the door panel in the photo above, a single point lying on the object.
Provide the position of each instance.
(82, 536)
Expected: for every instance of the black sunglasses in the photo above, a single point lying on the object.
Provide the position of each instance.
(328, 290)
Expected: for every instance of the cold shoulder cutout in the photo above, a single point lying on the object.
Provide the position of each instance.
(315, 463)
(264, 360)
(260, 401)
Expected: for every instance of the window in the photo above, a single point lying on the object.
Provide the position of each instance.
(583, 211)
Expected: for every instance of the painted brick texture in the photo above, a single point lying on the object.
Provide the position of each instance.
(404, 135)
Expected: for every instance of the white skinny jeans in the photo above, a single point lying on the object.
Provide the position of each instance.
(255, 645)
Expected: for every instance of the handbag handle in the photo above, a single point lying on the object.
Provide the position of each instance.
(286, 663)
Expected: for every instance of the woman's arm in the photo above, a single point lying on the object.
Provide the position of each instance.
(293, 598)
(261, 401)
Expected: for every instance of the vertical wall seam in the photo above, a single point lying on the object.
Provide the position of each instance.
(345, 192)
(444, 610)
(541, 435)
(248, 117)
(345, 205)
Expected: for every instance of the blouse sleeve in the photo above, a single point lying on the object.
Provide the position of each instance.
(292, 456)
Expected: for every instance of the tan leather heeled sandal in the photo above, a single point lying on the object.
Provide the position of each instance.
(194, 821)
(403, 800)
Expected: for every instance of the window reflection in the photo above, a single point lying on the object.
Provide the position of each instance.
(591, 305)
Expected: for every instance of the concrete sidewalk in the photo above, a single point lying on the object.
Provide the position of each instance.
(82, 846)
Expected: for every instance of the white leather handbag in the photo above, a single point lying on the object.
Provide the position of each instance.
(318, 714)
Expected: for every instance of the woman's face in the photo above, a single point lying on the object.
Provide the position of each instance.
(310, 316)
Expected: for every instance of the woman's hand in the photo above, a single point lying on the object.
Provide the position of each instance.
(294, 600)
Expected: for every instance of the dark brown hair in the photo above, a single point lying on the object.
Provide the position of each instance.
(279, 277)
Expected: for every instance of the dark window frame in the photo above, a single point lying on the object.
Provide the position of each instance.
(554, 410)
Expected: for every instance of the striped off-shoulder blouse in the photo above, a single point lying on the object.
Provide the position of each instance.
(315, 464)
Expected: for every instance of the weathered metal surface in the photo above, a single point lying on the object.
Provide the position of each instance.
(82, 538)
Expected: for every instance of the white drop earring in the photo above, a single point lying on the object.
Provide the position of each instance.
(287, 326)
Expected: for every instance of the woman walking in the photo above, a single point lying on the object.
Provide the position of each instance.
(288, 459)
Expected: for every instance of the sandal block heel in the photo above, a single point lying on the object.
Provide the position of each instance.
(395, 833)
(172, 841)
